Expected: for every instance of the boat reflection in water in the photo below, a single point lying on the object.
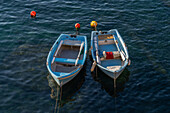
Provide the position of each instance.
(108, 83)
(63, 94)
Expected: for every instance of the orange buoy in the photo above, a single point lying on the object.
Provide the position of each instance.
(93, 24)
(77, 25)
(33, 14)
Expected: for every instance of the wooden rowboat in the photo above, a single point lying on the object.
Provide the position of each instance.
(66, 57)
(109, 52)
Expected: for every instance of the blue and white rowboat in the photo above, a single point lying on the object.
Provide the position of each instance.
(109, 42)
(66, 57)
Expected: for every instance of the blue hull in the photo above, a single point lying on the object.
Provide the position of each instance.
(107, 42)
(67, 57)
(65, 80)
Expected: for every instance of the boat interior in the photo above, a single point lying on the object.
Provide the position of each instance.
(65, 56)
(107, 43)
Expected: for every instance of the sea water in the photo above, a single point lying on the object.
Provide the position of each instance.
(27, 87)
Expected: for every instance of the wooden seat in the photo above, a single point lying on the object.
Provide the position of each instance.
(72, 42)
(105, 42)
(103, 37)
(113, 68)
(65, 60)
(102, 59)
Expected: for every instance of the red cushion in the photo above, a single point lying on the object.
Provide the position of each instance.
(109, 55)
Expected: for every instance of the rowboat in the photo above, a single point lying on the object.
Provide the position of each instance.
(66, 57)
(109, 52)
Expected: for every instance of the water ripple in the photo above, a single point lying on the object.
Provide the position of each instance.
(25, 43)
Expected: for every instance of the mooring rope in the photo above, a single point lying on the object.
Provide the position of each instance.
(115, 92)
(59, 104)
(58, 89)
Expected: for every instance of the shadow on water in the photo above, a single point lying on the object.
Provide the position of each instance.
(108, 83)
(63, 94)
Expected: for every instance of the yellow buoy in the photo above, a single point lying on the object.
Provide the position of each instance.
(93, 24)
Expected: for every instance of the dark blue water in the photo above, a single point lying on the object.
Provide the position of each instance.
(25, 85)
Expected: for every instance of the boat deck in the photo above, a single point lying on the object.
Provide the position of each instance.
(108, 48)
(67, 52)
(63, 68)
(70, 52)
(110, 63)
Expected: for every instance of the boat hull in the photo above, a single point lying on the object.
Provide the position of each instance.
(63, 81)
(67, 57)
(109, 41)
(112, 75)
